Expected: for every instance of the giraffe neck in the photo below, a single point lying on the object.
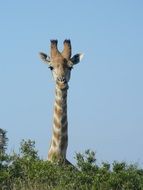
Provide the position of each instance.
(59, 141)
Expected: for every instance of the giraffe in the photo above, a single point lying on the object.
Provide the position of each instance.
(61, 64)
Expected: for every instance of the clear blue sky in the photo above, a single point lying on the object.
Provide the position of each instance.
(105, 102)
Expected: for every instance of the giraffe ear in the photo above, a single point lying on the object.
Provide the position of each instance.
(76, 58)
(45, 57)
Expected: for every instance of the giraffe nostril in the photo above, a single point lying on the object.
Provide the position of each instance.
(61, 79)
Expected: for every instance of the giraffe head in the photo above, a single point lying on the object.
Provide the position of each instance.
(61, 63)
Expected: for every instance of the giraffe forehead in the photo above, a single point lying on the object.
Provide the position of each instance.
(60, 63)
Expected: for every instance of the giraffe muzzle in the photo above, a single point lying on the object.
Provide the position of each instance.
(62, 83)
(62, 80)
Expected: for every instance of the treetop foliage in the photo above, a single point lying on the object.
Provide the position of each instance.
(26, 171)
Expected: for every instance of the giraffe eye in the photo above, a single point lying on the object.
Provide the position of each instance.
(70, 68)
(51, 68)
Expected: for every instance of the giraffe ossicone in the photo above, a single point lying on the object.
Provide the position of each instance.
(61, 64)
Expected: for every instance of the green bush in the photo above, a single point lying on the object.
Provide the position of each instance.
(26, 171)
